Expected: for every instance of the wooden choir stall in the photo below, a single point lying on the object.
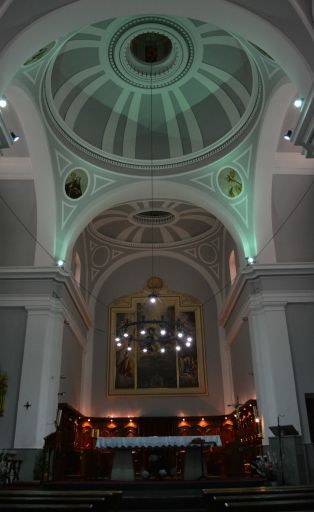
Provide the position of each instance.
(151, 448)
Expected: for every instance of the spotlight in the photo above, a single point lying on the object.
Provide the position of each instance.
(3, 103)
(15, 137)
(60, 263)
(288, 135)
(250, 260)
(298, 103)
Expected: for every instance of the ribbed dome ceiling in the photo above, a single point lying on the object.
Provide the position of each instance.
(171, 222)
(183, 98)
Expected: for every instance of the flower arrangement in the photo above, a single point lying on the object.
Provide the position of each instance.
(3, 390)
(264, 467)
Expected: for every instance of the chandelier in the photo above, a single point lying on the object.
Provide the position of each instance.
(153, 334)
(149, 334)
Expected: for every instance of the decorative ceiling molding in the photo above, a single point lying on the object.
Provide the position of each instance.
(67, 212)
(63, 163)
(244, 161)
(100, 182)
(241, 208)
(206, 181)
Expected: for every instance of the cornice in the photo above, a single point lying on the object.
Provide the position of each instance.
(252, 273)
(46, 274)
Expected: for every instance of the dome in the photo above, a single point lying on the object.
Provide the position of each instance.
(152, 89)
(172, 222)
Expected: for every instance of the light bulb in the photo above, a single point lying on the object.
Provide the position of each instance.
(129, 348)
(142, 332)
(119, 344)
(188, 344)
(162, 350)
(180, 334)
(3, 103)
(125, 334)
(189, 339)
(178, 348)
(162, 332)
(298, 103)
(152, 299)
(145, 349)
(117, 338)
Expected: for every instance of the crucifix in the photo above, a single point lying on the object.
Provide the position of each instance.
(27, 405)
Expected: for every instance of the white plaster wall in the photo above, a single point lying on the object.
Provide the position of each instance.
(242, 368)
(12, 332)
(293, 213)
(300, 320)
(71, 369)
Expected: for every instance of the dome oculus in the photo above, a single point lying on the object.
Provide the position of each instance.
(151, 47)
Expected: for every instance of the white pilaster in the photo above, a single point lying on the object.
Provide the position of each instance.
(87, 375)
(226, 368)
(272, 364)
(40, 376)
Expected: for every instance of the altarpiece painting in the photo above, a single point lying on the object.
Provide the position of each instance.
(149, 363)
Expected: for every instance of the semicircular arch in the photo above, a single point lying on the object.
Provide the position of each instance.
(163, 190)
(71, 17)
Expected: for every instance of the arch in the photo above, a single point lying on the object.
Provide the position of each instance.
(265, 163)
(35, 136)
(239, 20)
(161, 253)
(163, 189)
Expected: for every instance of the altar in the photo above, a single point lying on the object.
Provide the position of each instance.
(122, 468)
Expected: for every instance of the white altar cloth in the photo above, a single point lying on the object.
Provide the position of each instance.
(154, 441)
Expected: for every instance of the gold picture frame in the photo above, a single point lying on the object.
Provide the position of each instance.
(154, 373)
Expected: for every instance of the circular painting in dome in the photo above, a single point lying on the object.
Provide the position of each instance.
(230, 182)
(76, 184)
(39, 54)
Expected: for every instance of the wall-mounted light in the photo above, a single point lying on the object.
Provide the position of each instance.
(298, 102)
(288, 135)
(250, 260)
(3, 103)
(14, 137)
(60, 263)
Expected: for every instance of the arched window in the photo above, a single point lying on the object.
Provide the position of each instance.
(232, 266)
(77, 268)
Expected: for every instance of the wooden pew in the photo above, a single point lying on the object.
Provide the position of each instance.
(218, 498)
(100, 500)
(282, 505)
(22, 507)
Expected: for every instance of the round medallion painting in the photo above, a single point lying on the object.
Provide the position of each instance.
(39, 54)
(76, 183)
(230, 182)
